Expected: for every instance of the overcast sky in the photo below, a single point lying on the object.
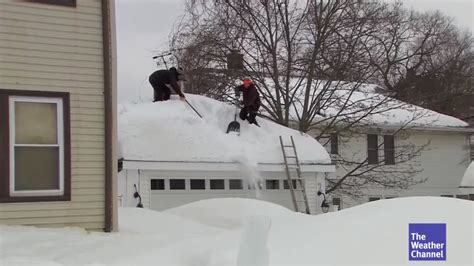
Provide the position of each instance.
(143, 27)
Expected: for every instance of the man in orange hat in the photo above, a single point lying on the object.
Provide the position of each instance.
(251, 100)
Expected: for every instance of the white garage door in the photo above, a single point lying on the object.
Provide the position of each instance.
(167, 193)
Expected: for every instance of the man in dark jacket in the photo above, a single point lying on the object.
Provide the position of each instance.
(251, 101)
(162, 79)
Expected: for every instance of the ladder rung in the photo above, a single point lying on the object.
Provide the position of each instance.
(290, 156)
(288, 146)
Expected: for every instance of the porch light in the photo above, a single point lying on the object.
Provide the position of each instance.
(324, 204)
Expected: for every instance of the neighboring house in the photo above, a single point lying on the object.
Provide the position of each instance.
(378, 140)
(173, 157)
(58, 114)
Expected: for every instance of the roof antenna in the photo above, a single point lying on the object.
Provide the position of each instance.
(162, 56)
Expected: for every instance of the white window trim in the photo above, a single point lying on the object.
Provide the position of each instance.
(60, 144)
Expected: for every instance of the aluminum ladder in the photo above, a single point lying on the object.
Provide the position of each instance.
(294, 179)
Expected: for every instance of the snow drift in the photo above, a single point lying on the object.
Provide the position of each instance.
(375, 233)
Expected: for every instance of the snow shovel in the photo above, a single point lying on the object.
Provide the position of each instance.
(234, 126)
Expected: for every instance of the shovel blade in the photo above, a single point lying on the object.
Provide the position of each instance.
(234, 126)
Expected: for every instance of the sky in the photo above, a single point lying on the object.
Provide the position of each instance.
(143, 27)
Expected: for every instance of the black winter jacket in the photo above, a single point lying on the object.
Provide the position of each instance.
(169, 77)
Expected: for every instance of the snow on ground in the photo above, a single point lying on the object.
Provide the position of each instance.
(375, 233)
(468, 178)
(146, 129)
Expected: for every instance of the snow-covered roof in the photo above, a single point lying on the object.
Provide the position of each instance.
(172, 131)
(346, 103)
(468, 178)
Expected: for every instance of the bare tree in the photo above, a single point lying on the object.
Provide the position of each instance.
(311, 61)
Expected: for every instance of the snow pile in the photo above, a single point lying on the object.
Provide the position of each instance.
(172, 131)
(227, 212)
(468, 178)
(375, 233)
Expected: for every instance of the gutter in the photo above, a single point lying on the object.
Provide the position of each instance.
(214, 166)
(420, 128)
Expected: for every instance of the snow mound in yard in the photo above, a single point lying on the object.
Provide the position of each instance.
(228, 212)
(138, 220)
(172, 131)
(375, 233)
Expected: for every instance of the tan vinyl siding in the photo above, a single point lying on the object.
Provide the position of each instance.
(55, 48)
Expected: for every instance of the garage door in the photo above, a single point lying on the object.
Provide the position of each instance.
(167, 193)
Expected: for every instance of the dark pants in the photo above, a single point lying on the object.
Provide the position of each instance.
(161, 91)
(250, 115)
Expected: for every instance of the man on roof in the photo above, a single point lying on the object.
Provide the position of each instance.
(251, 101)
(162, 80)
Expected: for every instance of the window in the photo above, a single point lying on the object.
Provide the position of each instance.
(337, 202)
(253, 184)
(334, 143)
(285, 184)
(471, 197)
(34, 146)
(373, 198)
(217, 183)
(391, 197)
(389, 149)
(447, 196)
(177, 184)
(235, 184)
(157, 184)
(372, 149)
(56, 2)
(272, 184)
(466, 197)
(198, 184)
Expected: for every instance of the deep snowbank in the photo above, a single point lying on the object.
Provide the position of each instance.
(370, 234)
(171, 131)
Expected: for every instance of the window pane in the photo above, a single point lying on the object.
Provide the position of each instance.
(273, 184)
(35, 123)
(334, 144)
(36, 168)
(285, 184)
(177, 184)
(372, 142)
(373, 198)
(217, 183)
(235, 184)
(447, 196)
(372, 149)
(157, 184)
(198, 184)
(462, 197)
(389, 149)
(471, 196)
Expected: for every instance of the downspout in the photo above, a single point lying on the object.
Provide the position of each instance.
(110, 106)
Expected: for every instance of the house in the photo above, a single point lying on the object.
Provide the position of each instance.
(58, 114)
(386, 140)
(170, 156)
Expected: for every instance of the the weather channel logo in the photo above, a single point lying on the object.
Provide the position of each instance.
(427, 242)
